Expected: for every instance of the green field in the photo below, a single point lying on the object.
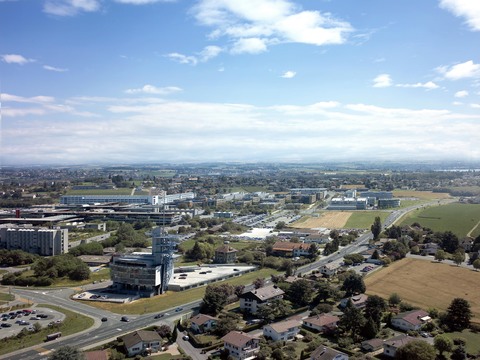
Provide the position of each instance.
(472, 340)
(364, 219)
(455, 217)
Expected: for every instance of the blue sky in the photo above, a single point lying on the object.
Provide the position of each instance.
(152, 81)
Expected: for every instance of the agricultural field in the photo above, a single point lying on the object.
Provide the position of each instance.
(421, 195)
(364, 219)
(326, 219)
(427, 284)
(461, 219)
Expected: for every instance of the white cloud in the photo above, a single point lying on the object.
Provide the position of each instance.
(183, 59)
(253, 25)
(150, 89)
(249, 46)
(468, 69)
(461, 94)
(16, 59)
(382, 80)
(209, 52)
(475, 106)
(70, 7)
(141, 2)
(289, 74)
(53, 68)
(227, 132)
(430, 85)
(468, 9)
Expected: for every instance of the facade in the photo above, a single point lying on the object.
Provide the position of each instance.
(326, 353)
(203, 323)
(346, 203)
(142, 341)
(289, 249)
(411, 320)
(377, 194)
(388, 203)
(225, 255)
(223, 214)
(145, 274)
(284, 331)
(321, 323)
(41, 241)
(250, 301)
(329, 269)
(126, 199)
(391, 346)
(240, 345)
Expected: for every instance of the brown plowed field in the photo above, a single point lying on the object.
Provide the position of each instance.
(427, 284)
(329, 219)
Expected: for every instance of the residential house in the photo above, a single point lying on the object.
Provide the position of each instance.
(240, 345)
(225, 255)
(359, 301)
(285, 330)
(322, 323)
(290, 249)
(391, 346)
(142, 341)
(429, 249)
(410, 320)
(372, 345)
(326, 353)
(466, 244)
(96, 355)
(250, 301)
(329, 269)
(203, 323)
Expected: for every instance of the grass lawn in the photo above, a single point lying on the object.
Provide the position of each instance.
(72, 324)
(172, 299)
(6, 297)
(422, 195)
(472, 339)
(427, 284)
(239, 245)
(103, 274)
(456, 217)
(364, 219)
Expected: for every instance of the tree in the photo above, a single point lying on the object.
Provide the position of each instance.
(276, 309)
(227, 322)
(449, 241)
(353, 284)
(325, 291)
(313, 251)
(458, 257)
(300, 292)
(458, 315)
(376, 227)
(66, 353)
(352, 321)
(374, 308)
(476, 264)
(258, 283)
(394, 299)
(164, 331)
(443, 344)
(440, 255)
(458, 353)
(215, 298)
(370, 329)
(416, 350)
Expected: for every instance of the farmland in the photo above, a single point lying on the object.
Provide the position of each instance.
(421, 195)
(341, 219)
(427, 284)
(455, 217)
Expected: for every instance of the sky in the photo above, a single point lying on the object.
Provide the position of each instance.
(185, 81)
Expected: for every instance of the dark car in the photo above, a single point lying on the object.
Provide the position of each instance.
(158, 316)
(6, 325)
(125, 319)
(178, 309)
(104, 319)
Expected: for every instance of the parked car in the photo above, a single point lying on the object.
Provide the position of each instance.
(6, 325)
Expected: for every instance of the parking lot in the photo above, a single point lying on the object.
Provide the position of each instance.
(12, 322)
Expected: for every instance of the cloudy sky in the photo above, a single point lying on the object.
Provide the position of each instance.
(155, 81)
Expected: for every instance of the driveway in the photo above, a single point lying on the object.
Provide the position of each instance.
(189, 349)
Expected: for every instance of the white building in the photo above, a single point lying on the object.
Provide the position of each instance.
(126, 199)
(41, 241)
(250, 301)
(240, 345)
(411, 320)
(285, 330)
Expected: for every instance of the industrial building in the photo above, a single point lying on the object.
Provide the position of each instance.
(41, 241)
(125, 199)
(344, 203)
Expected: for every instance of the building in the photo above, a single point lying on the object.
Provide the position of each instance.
(326, 353)
(41, 241)
(322, 323)
(290, 249)
(411, 320)
(250, 301)
(284, 331)
(377, 194)
(359, 301)
(145, 274)
(225, 255)
(142, 341)
(391, 346)
(329, 269)
(388, 203)
(203, 323)
(223, 214)
(240, 345)
(372, 345)
(347, 203)
(124, 199)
